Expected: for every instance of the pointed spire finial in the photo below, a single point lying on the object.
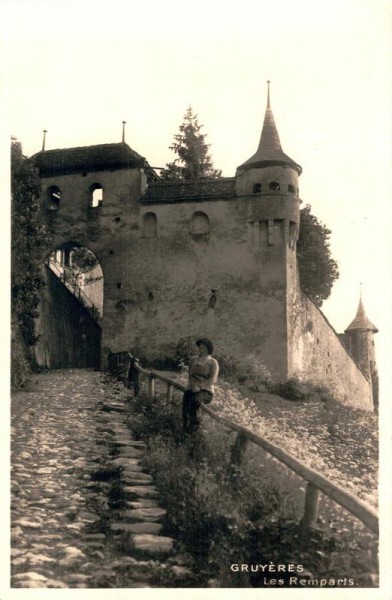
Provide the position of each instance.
(360, 290)
(45, 131)
(268, 93)
(123, 131)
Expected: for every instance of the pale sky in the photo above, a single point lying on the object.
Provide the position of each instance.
(78, 69)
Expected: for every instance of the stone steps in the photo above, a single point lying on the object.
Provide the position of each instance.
(140, 526)
(85, 514)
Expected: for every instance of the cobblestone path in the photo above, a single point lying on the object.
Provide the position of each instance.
(84, 513)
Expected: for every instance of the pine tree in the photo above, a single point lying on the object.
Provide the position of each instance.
(193, 160)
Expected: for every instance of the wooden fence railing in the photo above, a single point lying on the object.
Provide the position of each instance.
(316, 483)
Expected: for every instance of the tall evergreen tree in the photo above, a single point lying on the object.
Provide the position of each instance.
(193, 160)
(317, 269)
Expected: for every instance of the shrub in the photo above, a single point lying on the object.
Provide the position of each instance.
(298, 391)
(20, 371)
(184, 350)
(249, 371)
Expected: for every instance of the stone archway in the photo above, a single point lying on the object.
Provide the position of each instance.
(71, 309)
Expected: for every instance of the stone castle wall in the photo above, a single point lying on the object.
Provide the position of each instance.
(317, 354)
(222, 267)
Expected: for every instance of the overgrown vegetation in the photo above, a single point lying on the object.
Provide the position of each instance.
(317, 269)
(225, 515)
(29, 237)
(296, 390)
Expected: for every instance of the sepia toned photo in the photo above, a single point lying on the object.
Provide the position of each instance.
(200, 297)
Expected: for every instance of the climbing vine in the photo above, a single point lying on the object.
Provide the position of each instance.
(29, 237)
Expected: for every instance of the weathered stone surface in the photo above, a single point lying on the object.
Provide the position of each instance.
(145, 514)
(137, 444)
(29, 583)
(89, 517)
(31, 575)
(144, 527)
(181, 572)
(116, 406)
(55, 583)
(16, 562)
(29, 524)
(142, 503)
(134, 478)
(148, 491)
(130, 527)
(131, 469)
(76, 578)
(151, 544)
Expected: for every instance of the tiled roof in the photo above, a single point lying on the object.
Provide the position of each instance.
(270, 149)
(361, 321)
(202, 189)
(86, 159)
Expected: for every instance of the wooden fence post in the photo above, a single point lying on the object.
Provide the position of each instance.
(169, 393)
(312, 500)
(136, 383)
(151, 387)
(237, 454)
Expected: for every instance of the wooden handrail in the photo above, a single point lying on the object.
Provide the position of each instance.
(346, 499)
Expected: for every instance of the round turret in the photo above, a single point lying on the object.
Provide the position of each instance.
(269, 179)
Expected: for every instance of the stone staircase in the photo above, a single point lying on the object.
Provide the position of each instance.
(140, 525)
(85, 514)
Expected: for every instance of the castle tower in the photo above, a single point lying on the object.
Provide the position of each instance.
(359, 337)
(267, 183)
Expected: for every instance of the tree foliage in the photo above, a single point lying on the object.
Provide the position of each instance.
(317, 269)
(83, 261)
(193, 159)
(29, 238)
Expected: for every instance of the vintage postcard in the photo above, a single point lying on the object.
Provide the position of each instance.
(199, 306)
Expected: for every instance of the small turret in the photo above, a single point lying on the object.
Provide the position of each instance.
(270, 151)
(359, 337)
(269, 179)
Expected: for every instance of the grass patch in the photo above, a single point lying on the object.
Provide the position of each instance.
(225, 516)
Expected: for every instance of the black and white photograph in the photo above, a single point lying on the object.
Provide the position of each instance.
(197, 297)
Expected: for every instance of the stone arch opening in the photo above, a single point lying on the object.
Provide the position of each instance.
(200, 223)
(71, 309)
(96, 195)
(150, 225)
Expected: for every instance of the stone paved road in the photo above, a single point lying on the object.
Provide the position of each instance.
(84, 514)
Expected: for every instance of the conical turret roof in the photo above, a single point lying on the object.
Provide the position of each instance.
(361, 321)
(270, 149)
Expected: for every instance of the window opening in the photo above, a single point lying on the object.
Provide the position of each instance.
(96, 195)
(54, 197)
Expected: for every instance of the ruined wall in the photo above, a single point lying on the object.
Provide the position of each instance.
(69, 337)
(317, 354)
